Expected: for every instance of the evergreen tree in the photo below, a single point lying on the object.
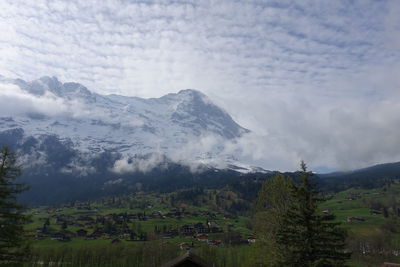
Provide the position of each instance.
(307, 237)
(385, 212)
(269, 208)
(64, 226)
(11, 213)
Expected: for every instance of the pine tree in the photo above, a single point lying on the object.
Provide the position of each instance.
(385, 212)
(269, 209)
(11, 213)
(307, 237)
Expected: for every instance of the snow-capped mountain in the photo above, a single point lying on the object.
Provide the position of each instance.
(183, 127)
(73, 143)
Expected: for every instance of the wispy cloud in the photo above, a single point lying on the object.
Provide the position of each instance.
(317, 80)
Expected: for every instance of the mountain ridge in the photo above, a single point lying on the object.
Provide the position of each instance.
(184, 126)
(67, 137)
(188, 112)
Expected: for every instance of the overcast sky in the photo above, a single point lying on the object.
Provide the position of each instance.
(313, 80)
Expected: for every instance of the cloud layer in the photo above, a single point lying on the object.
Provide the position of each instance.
(313, 80)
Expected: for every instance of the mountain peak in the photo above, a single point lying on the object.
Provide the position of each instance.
(42, 85)
(194, 96)
(190, 92)
(53, 85)
(188, 112)
(78, 130)
(49, 80)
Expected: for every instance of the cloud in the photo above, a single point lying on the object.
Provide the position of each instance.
(15, 101)
(313, 80)
(150, 49)
(138, 164)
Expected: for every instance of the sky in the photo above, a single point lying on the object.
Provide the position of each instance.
(312, 80)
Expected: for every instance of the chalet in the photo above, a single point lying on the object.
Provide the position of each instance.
(390, 264)
(157, 215)
(355, 219)
(132, 217)
(115, 241)
(40, 230)
(81, 232)
(85, 218)
(125, 236)
(106, 236)
(97, 233)
(326, 212)
(168, 215)
(178, 214)
(134, 237)
(187, 229)
(83, 208)
(39, 237)
(202, 237)
(209, 214)
(251, 240)
(63, 219)
(60, 237)
(184, 246)
(213, 227)
(200, 228)
(187, 214)
(188, 259)
(353, 197)
(88, 225)
(100, 219)
(216, 243)
(375, 212)
(167, 236)
(230, 226)
(109, 216)
(170, 234)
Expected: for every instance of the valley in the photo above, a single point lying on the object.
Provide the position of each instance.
(205, 222)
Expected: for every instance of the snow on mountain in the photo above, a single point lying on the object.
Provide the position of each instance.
(184, 126)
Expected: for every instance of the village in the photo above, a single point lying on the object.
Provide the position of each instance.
(190, 220)
(86, 221)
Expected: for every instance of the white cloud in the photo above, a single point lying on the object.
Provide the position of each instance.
(314, 80)
(138, 164)
(15, 101)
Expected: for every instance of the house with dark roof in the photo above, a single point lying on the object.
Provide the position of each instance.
(200, 228)
(354, 219)
(187, 229)
(390, 264)
(81, 233)
(188, 260)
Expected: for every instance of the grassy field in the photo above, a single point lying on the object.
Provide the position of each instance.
(342, 207)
